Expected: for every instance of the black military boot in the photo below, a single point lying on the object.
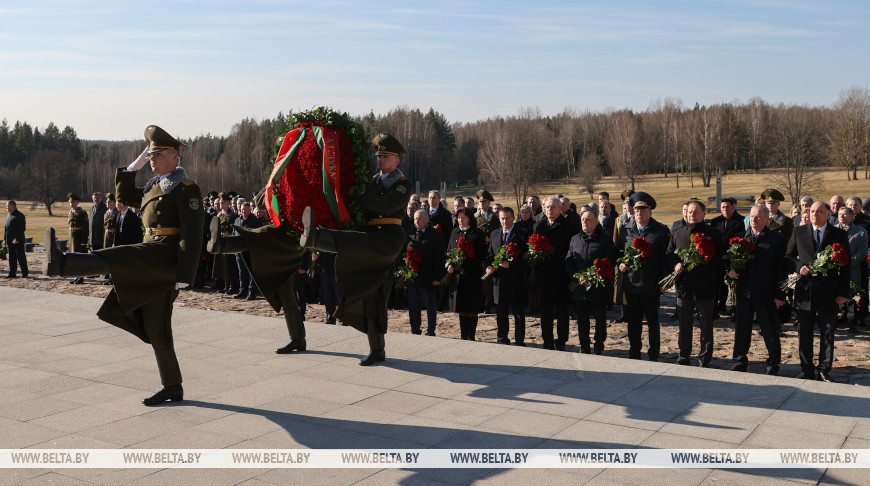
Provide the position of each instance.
(174, 393)
(220, 244)
(170, 377)
(71, 264)
(295, 345)
(376, 345)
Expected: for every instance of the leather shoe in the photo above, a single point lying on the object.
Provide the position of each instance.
(295, 345)
(251, 297)
(376, 356)
(703, 364)
(172, 393)
(822, 375)
(504, 341)
(740, 366)
(520, 344)
(806, 376)
(240, 296)
(684, 361)
(560, 346)
(772, 370)
(585, 350)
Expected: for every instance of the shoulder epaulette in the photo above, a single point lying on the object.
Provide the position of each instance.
(187, 182)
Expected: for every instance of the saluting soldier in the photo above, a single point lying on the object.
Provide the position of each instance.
(78, 229)
(147, 275)
(364, 259)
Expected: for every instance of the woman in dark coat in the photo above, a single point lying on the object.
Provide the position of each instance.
(466, 289)
(587, 246)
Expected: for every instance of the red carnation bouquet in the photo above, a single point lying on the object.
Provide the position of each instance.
(595, 276)
(635, 252)
(832, 257)
(456, 257)
(701, 251)
(539, 252)
(739, 253)
(507, 253)
(409, 268)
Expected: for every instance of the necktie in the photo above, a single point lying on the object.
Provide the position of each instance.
(818, 238)
(503, 238)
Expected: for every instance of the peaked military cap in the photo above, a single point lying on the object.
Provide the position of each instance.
(626, 194)
(772, 195)
(484, 194)
(71, 196)
(160, 140)
(642, 200)
(260, 199)
(386, 144)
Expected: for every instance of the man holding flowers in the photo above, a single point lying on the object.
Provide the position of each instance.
(641, 275)
(551, 278)
(757, 265)
(694, 251)
(822, 285)
(504, 264)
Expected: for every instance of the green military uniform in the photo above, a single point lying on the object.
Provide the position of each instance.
(110, 223)
(78, 227)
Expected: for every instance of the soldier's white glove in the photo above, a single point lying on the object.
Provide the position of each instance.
(181, 285)
(139, 162)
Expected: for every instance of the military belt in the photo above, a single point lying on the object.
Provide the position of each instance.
(162, 231)
(110, 231)
(76, 228)
(226, 234)
(379, 221)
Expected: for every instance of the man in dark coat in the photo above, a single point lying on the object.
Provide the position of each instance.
(758, 291)
(439, 216)
(729, 224)
(509, 283)
(147, 276)
(364, 259)
(247, 286)
(423, 289)
(817, 297)
(13, 238)
(552, 279)
(590, 244)
(128, 228)
(696, 288)
(641, 287)
(97, 215)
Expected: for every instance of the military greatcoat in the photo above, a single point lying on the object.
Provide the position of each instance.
(78, 230)
(145, 274)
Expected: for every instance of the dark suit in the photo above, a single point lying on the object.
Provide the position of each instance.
(97, 215)
(15, 226)
(443, 218)
(583, 252)
(641, 286)
(757, 285)
(509, 285)
(696, 290)
(129, 228)
(815, 296)
(421, 293)
(730, 228)
(552, 280)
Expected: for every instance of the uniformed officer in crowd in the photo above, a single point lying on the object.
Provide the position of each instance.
(364, 259)
(110, 221)
(226, 272)
(778, 221)
(641, 286)
(759, 293)
(78, 230)
(147, 276)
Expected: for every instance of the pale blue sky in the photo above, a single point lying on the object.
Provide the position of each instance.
(109, 68)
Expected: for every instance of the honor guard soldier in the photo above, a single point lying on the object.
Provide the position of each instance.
(110, 220)
(364, 259)
(147, 275)
(78, 229)
(779, 222)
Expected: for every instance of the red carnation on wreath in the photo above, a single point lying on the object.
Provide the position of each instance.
(323, 162)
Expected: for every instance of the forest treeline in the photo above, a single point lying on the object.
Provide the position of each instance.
(513, 154)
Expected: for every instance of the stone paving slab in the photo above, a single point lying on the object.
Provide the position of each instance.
(68, 380)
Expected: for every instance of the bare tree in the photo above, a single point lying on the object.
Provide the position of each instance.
(48, 173)
(622, 146)
(797, 151)
(850, 128)
(589, 173)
